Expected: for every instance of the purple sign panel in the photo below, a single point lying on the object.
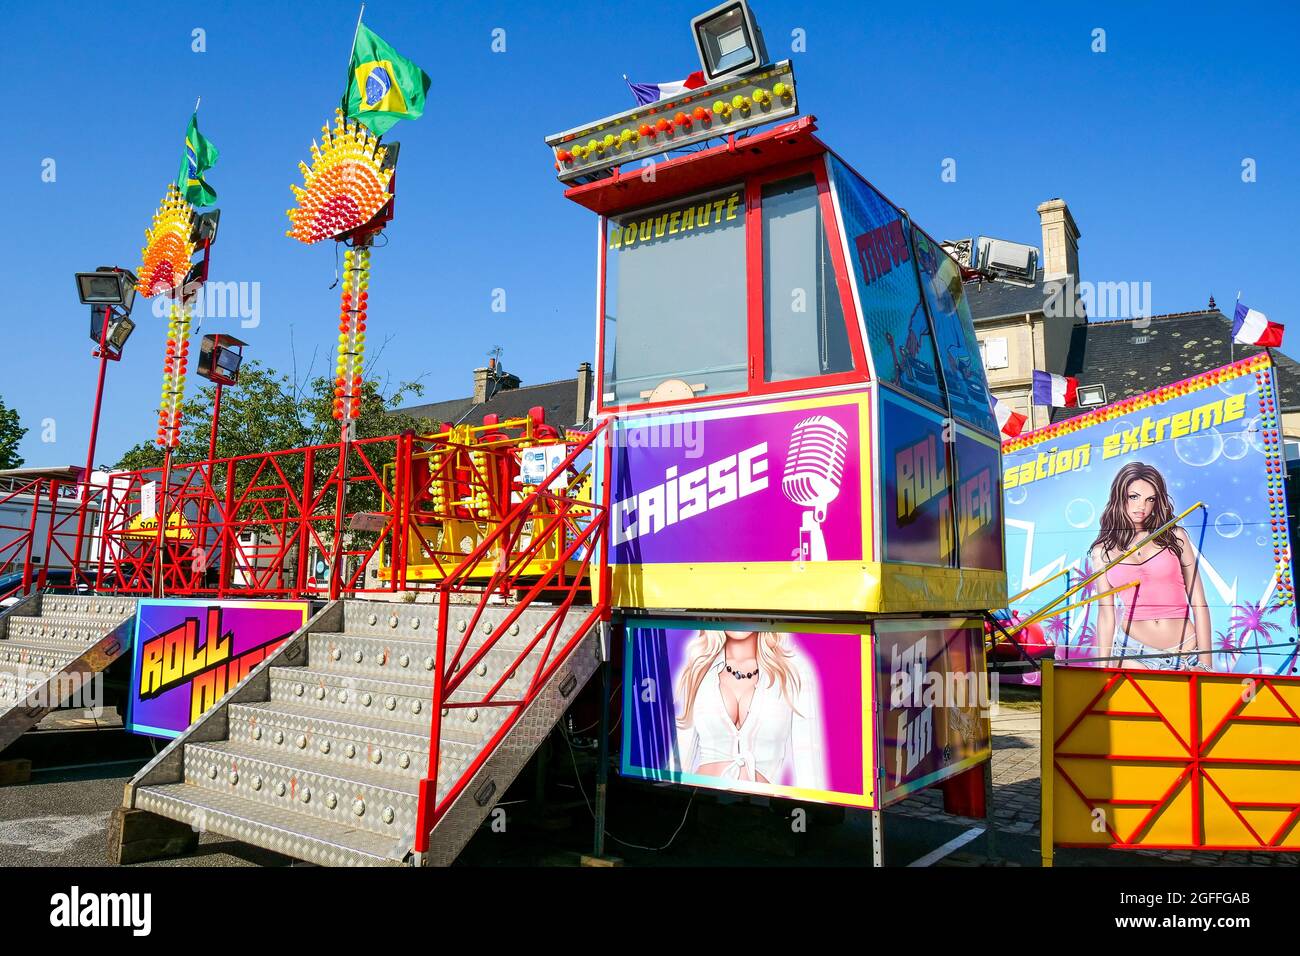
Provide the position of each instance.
(188, 654)
(764, 482)
(979, 501)
(917, 500)
(755, 711)
(934, 701)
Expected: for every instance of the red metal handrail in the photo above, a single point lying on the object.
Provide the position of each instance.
(585, 540)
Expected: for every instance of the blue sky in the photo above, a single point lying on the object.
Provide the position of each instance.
(1145, 141)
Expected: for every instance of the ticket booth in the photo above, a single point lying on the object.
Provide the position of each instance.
(804, 466)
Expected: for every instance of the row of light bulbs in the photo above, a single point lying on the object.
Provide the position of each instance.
(667, 127)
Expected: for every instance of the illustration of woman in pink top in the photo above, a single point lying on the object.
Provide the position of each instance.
(1164, 613)
(749, 711)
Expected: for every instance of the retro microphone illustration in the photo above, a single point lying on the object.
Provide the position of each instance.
(813, 471)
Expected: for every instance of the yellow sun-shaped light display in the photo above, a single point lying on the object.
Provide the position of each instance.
(168, 246)
(345, 186)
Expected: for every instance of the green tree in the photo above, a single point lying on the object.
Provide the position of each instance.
(11, 433)
(268, 412)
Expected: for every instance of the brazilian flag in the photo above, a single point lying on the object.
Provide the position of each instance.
(200, 156)
(382, 86)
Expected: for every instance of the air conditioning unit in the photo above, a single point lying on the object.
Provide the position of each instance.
(1012, 261)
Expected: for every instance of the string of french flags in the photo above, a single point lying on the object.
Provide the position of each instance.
(1249, 327)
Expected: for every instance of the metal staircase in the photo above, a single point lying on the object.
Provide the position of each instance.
(323, 752)
(51, 645)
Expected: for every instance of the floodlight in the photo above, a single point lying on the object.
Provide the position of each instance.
(120, 327)
(107, 286)
(205, 227)
(728, 40)
(220, 357)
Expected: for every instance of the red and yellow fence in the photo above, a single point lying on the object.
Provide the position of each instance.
(383, 514)
(1183, 760)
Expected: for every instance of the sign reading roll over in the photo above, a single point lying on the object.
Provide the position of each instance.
(758, 505)
(188, 654)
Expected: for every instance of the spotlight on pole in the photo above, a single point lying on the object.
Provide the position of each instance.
(120, 328)
(110, 293)
(728, 40)
(107, 285)
(205, 226)
(220, 357)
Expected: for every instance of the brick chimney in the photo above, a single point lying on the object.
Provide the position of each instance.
(1060, 241)
(482, 376)
(584, 392)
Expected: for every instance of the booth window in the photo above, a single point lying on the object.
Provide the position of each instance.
(804, 331)
(968, 390)
(898, 330)
(675, 305)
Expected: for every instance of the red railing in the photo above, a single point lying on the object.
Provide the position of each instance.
(45, 541)
(259, 524)
(511, 547)
(18, 523)
(324, 521)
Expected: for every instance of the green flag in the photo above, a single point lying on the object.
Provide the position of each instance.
(200, 156)
(382, 86)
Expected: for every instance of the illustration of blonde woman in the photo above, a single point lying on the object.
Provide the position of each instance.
(1161, 621)
(749, 711)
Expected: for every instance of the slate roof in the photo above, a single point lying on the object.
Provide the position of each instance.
(1130, 359)
(560, 399)
(995, 300)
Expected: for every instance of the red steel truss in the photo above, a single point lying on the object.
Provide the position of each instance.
(276, 524)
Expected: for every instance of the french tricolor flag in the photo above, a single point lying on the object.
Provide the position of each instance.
(1010, 421)
(647, 93)
(1250, 327)
(1059, 391)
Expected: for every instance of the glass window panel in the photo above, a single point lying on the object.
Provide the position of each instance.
(898, 332)
(675, 300)
(803, 319)
(968, 390)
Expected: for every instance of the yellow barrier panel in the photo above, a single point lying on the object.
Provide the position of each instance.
(1170, 760)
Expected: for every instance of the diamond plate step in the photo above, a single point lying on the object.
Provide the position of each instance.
(15, 687)
(51, 645)
(364, 796)
(98, 604)
(271, 828)
(14, 654)
(278, 727)
(353, 687)
(407, 662)
(346, 740)
(406, 701)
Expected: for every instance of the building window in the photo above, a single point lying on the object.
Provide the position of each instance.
(675, 307)
(803, 320)
(993, 353)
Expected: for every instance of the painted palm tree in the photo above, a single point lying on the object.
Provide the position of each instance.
(1085, 637)
(1227, 644)
(1250, 620)
(1058, 628)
